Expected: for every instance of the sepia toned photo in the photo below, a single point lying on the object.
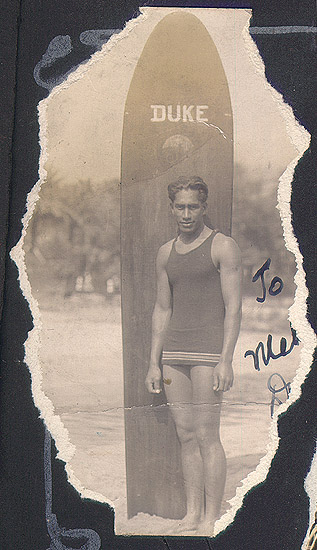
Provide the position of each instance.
(158, 262)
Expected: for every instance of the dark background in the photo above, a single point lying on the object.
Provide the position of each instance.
(275, 514)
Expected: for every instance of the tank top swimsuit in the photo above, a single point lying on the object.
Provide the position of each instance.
(195, 332)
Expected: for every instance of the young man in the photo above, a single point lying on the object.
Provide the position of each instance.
(195, 326)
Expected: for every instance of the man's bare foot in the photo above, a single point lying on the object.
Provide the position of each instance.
(188, 523)
(206, 528)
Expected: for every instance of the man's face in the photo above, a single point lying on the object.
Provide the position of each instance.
(188, 210)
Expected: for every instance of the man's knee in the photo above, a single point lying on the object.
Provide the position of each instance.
(186, 434)
(207, 437)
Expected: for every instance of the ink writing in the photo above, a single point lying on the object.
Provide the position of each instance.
(268, 354)
(276, 285)
(272, 382)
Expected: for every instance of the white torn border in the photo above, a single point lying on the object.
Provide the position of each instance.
(297, 313)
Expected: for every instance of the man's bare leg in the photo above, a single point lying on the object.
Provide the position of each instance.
(178, 388)
(206, 414)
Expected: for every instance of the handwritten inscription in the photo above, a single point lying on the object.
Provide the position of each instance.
(276, 285)
(272, 382)
(268, 354)
(260, 352)
(175, 113)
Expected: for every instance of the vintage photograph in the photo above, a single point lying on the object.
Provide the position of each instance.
(157, 258)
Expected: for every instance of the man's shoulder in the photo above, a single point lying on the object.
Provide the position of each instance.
(225, 247)
(221, 239)
(164, 252)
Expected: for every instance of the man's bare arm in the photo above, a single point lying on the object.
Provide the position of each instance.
(160, 319)
(229, 260)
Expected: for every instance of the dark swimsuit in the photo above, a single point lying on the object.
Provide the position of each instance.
(195, 331)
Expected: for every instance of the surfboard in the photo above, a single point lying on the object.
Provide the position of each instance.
(177, 121)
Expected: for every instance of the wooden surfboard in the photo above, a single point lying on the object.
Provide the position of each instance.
(177, 121)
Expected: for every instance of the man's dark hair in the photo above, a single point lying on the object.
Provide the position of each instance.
(195, 183)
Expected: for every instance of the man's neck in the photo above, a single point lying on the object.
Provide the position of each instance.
(190, 238)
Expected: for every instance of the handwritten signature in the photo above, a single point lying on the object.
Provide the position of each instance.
(286, 386)
(269, 354)
(276, 286)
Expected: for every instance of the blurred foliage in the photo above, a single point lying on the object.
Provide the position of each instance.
(258, 231)
(73, 240)
(74, 237)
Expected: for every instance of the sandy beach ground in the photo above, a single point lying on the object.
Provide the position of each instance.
(83, 376)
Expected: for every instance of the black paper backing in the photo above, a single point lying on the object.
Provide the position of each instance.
(275, 513)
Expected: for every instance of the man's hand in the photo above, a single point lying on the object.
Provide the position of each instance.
(153, 380)
(223, 376)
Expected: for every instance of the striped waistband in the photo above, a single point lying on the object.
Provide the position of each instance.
(189, 358)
